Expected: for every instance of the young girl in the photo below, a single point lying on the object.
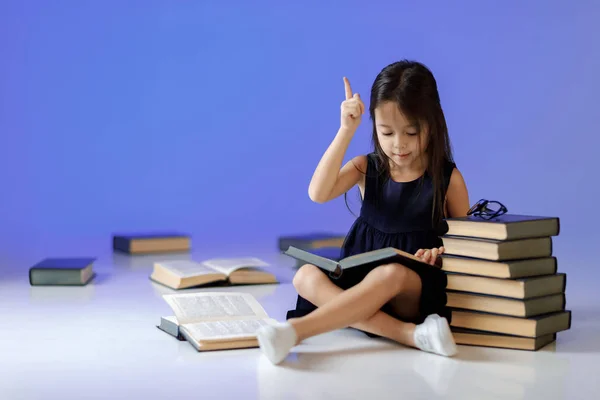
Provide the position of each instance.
(407, 185)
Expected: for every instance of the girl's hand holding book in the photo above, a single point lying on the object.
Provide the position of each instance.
(430, 256)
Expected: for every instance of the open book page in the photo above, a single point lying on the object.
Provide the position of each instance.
(226, 330)
(213, 306)
(228, 265)
(185, 268)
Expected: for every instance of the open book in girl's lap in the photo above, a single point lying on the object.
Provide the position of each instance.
(372, 258)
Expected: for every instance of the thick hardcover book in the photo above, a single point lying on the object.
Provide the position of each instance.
(532, 327)
(504, 227)
(68, 271)
(498, 250)
(364, 260)
(215, 320)
(523, 288)
(507, 306)
(311, 240)
(511, 269)
(151, 242)
(470, 337)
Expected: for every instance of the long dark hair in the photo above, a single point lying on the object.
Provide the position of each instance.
(412, 86)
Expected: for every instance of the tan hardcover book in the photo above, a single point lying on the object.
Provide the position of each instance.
(529, 327)
(523, 288)
(500, 269)
(216, 320)
(498, 250)
(471, 337)
(507, 306)
(182, 274)
(504, 227)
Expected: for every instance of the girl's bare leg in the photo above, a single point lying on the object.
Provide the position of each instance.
(312, 284)
(356, 306)
(360, 305)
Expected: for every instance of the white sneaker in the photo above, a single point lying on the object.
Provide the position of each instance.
(434, 336)
(276, 341)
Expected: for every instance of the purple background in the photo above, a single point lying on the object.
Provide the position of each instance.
(210, 117)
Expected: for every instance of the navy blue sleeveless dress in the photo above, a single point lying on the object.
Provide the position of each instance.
(395, 214)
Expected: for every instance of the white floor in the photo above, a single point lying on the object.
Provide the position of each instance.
(100, 341)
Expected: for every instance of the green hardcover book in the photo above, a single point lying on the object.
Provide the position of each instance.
(62, 272)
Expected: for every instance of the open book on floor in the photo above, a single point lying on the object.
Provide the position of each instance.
(368, 259)
(215, 320)
(182, 274)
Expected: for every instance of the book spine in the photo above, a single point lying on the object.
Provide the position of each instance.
(337, 273)
(121, 244)
(188, 338)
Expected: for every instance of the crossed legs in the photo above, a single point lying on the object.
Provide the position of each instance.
(359, 307)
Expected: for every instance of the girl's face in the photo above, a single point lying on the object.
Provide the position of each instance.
(398, 137)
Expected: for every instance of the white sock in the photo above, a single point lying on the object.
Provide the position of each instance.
(276, 341)
(434, 336)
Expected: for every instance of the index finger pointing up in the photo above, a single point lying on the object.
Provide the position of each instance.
(348, 88)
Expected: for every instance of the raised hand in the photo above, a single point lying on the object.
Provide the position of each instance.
(430, 256)
(352, 108)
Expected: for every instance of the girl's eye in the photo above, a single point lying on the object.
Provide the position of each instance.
(386, 133)
(411, 133)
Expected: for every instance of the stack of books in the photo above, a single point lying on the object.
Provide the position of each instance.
(504, 287)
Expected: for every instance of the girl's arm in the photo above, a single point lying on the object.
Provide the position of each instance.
(457, 196)
(457, 205)
(330, 180)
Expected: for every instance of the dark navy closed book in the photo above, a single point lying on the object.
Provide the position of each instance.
(311, 240)
(151, 242)
(62, 271)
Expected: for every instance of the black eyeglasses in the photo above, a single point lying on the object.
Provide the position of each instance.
(487, 209)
